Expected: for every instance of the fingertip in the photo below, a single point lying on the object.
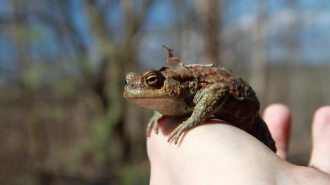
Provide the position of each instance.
(320, 157)
(278, 118)
(321, 127)
(321, 122)
(276, 108)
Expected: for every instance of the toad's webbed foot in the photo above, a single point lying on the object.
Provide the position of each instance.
(177, 132)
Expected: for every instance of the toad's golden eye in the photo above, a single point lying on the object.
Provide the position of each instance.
(152, 79)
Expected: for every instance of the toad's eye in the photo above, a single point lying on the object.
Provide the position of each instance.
(152, 80)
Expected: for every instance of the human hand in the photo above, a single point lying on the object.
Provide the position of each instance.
(216, 153)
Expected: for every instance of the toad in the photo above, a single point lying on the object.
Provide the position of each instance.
(199, 93)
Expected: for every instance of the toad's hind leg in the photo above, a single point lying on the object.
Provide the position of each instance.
(208, 101)
(262, 133)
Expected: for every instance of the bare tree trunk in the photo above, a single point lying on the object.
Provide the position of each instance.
(116, 59)
(211, 17)
(259, 52)
(298, 86)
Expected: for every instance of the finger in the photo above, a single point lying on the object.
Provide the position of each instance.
(320, 157)
(278, 119)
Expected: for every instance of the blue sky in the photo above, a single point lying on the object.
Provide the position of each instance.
(314, 34)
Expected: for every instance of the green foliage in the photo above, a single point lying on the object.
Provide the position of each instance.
(105, 140)
(21, 178)
(134, 175)
(25, 34)
(65, 86)
(33, 75)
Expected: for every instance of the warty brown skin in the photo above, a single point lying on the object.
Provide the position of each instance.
(199, 93)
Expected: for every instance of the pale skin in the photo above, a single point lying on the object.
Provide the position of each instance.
(218, 153)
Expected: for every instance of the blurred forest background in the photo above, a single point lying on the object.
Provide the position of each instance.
(63, 63)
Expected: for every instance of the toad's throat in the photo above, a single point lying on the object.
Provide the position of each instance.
(166, 106)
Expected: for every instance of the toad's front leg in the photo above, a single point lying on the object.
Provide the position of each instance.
(154, 123)
(208, 101)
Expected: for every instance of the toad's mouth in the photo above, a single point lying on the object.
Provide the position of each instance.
(139, 94)
(129, 96)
